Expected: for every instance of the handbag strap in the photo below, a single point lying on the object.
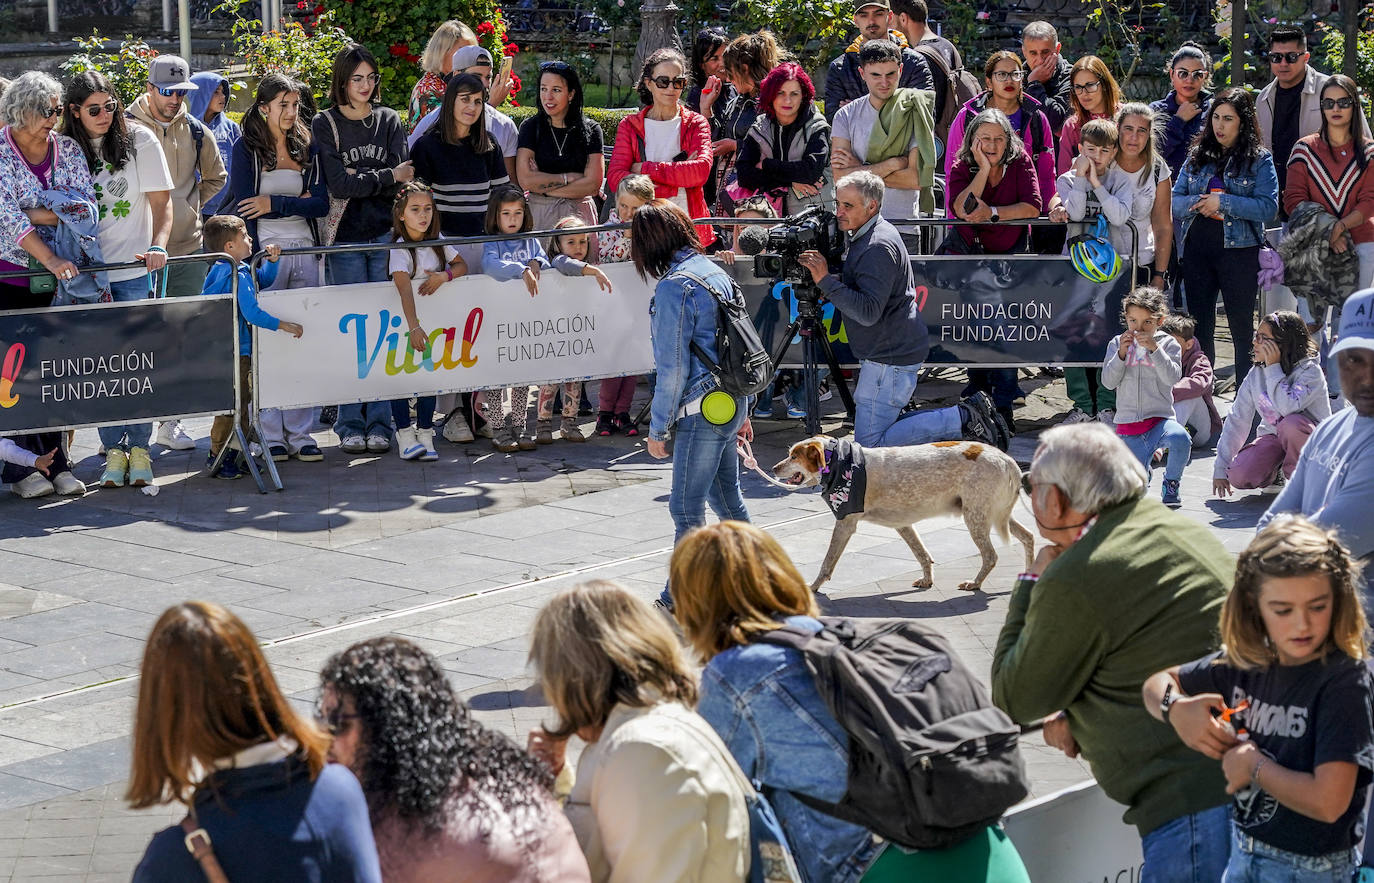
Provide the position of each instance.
(198, 844)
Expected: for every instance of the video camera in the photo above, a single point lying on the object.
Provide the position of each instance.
(813, 229)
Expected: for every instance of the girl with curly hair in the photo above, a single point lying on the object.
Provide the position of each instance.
(449, 799)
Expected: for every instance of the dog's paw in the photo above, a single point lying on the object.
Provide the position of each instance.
(969, 586)
(924, 582)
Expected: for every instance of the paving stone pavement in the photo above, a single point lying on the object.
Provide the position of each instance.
(458, 555)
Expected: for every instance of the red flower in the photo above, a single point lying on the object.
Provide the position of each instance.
(486, 29)
(399, 49)
(510, 49)
(413, 59)
(513, 102)
(319, 8)
(514, 84)
(300, 4)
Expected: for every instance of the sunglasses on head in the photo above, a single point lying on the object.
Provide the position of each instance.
(95, 110)
(1333, 103)
(669, 82)
(1087, 87)
(1195, 76)
(168, 93)
(562, 66)
(1281, 57)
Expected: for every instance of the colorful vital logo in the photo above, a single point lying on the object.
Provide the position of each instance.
(388, 334)
(9, 375)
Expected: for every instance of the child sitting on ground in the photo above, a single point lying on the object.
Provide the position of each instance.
(1292, 675)
(1289, 393)
(568, 253)
(1194, 408)
(1143, 363)
(229, 234)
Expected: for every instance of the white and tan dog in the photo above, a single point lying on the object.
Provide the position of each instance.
(897, 487)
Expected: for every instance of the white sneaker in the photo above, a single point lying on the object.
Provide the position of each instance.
(407, 445)
(378, 443)
(426, 439)
(1077, 415)
(1108, 417)
(353, 444)
(36, 485)
(68, 485)
(456, 429)
(171, 434)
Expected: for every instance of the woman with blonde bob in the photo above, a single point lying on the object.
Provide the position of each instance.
(657, 795)
(1292, 669)
(731, 582)
(213, 731)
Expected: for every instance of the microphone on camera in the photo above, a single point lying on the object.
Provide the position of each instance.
(753, 239)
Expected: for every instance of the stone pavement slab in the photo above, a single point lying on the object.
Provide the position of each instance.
(457, 555)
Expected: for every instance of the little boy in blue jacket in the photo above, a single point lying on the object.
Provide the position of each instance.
(229, 234)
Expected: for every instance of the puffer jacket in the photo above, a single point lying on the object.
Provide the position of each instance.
(198, 173)
(1310, 268)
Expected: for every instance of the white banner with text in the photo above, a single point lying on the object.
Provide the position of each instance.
(483, 334)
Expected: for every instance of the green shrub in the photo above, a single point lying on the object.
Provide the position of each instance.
(127, 69)
(607, 117)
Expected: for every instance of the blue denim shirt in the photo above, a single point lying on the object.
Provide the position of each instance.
(763, 702)
(680, 312)
(1251, 199)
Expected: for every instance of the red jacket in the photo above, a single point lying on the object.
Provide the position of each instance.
(690, 174)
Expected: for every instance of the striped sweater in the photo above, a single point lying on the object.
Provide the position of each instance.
(1317, 174)
(462, 180)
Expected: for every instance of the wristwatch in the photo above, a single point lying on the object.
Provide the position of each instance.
(1167, 701)
(994, 214)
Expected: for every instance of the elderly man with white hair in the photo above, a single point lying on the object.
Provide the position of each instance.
(1125, 588)
(877, 295)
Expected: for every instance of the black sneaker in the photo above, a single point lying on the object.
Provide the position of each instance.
(329, 414)
(997, 434)
(1008, 422)
(973, 427)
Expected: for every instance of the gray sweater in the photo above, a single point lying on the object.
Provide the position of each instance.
(877, 296)
(1144, 381)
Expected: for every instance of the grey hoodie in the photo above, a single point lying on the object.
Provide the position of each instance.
(1144, 381)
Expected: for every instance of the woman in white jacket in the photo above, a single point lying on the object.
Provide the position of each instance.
(1289, 392)
(657, 796)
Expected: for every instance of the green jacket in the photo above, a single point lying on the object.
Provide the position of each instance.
(1141, 591)
(908, 113)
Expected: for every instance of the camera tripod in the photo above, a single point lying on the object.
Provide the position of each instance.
(813, 336)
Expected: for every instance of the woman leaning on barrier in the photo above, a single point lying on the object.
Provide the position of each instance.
(133, 189)
(278, 188)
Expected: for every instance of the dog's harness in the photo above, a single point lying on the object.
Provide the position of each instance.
(844, 479)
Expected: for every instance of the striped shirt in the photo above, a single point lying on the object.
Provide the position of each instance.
(462, 180)
(1333, 180)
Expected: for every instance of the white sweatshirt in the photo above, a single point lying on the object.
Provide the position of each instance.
(1274, 396)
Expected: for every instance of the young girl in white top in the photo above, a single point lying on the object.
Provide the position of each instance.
(1298, 748)
(414, 220)
(568, 253)
(1289, 393)
(520, 257)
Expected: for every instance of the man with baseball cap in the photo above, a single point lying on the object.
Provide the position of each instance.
(1334, 482)
(476, 60)
(844, 83)
(192, 158)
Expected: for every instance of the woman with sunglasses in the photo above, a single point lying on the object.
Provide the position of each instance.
(1225, 193)
(133, 190)
(1184, 109)
(666, 141)
(213, 731)
(450, 799)
(1094, 95)
(364, 158)
(558, 159)
(1335, 169)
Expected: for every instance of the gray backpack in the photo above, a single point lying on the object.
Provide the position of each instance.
(931, 760)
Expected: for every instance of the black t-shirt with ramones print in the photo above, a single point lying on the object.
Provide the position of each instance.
(1301, 717)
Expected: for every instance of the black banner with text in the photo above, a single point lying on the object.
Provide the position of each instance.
(116, 363)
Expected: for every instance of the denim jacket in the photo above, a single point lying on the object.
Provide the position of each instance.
(1251, 199)
(682, 312)
(763, 702)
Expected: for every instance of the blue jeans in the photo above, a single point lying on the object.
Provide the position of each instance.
(424, 412)
(1189, 849)
(1165, 434)
(138, 434)
(1256, 862)
(370, 418)
(882, 392)
(705, 470)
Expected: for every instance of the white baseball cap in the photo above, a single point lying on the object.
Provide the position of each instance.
(1357, 323)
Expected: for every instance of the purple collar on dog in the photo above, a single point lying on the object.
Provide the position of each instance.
(829, 455)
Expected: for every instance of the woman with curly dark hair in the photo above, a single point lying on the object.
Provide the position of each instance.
(1226, 192)
(450, 799)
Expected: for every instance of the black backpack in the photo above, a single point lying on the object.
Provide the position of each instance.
(742, 367)
(931, 760)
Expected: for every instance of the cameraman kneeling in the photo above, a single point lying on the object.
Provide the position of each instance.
(877, 296)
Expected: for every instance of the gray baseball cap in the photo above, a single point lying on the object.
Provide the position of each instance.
(170, 72)
(465, 57)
